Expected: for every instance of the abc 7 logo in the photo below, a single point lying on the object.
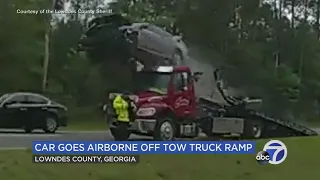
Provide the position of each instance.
(274, 152)
(263, 157)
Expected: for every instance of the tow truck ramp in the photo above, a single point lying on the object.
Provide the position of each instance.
(294, 128)
(271, 127)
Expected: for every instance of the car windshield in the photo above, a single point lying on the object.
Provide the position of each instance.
(152, 81)
(4, 97)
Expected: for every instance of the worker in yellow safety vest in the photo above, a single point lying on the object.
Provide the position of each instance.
(121, 106)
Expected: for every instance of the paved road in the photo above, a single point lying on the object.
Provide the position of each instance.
(17, 139)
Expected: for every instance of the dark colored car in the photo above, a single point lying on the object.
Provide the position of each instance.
(31, 111)
(150, 44)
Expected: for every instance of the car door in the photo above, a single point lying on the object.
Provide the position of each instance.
(182, 99)
(14, 110)
(37, 110)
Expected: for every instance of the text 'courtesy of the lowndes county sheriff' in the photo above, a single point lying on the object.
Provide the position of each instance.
(54, 11)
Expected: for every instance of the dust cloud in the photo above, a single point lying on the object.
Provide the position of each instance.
(205, 87)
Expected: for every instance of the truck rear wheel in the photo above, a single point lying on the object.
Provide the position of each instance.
(121, 132)
(253, 129)
(165, 130)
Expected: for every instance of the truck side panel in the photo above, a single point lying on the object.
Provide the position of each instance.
(223, 125)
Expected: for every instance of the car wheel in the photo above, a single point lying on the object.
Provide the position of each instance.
(177, 58)
(51, 125)
(28, 129)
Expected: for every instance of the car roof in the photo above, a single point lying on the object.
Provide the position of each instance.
(28, 94)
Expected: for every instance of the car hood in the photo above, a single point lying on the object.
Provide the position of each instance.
(143, 96)
(52, 103)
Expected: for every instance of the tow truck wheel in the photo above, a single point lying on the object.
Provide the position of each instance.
(120, 133)
(253, 129)
(164, 130)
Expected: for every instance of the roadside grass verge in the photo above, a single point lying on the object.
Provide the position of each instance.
(314, 123)
(302, 163)
(86, 126)
(85, 119)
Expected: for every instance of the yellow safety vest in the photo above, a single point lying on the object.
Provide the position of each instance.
(121, 107)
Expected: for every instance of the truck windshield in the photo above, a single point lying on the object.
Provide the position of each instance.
(152, 81)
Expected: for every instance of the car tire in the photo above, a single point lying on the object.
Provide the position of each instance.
(28, 129)
(51, 124)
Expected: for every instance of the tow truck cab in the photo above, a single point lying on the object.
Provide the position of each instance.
(165, 102)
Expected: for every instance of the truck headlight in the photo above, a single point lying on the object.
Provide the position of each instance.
(134, 98)
(146, 112)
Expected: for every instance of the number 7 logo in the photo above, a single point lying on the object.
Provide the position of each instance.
(277, 150)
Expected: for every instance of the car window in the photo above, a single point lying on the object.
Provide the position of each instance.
(17, 99)
(159, 31)
(36, 99)
(4, 97)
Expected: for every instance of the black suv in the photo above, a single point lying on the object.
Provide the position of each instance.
(31, 111)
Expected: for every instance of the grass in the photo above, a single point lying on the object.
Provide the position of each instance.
(313, 124)
(86, 126)
(302, 163)
(85, 119)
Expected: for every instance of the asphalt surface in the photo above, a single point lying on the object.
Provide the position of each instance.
(17, 139)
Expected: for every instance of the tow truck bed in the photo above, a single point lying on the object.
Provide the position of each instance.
(220, 119)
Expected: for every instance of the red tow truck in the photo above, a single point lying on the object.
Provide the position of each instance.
(167, 108)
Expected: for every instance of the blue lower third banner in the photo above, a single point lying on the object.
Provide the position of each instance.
(140, 147)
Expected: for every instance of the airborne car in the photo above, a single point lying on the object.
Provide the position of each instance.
(145, 42)
(31, 111)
